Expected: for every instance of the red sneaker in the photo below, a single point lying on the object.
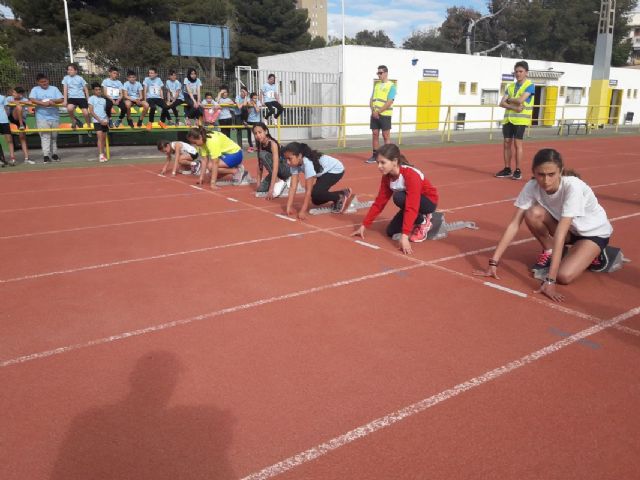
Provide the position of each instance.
(420, 232)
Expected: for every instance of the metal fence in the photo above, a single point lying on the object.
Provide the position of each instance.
(25, 73)
(302, 93)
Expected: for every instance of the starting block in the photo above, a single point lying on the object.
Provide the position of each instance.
(440, 228)
(284, 193)
(246, 180)
(611, 260)
(354, 207)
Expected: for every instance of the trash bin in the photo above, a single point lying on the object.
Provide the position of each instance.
(460, 117)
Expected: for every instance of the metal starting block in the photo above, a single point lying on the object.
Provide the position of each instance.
(611, 260)
(247, 180)
(284, 193)
(440, 229)
(354, 207)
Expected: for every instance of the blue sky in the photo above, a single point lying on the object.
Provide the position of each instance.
(398, 18)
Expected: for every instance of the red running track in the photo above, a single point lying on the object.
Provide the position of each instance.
(151, 330)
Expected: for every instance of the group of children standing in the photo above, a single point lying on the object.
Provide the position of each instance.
(97, 102)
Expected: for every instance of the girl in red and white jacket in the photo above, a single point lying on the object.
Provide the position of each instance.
(411, 191)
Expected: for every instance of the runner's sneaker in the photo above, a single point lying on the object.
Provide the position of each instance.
(237, 177)
(251, 150)
(372, 159)
(130, 122)
(102, 158)
(162, 124)
(542, 262)
(110, 123)
(117, 123)
(195, 168)
(600, 263)
(46, 159)
(55, 157)
(504, 173)
(139, 124)
(517, 174)
(29, 161)
(419, 233)
(264, 185)
(343, 203)
(279, 187)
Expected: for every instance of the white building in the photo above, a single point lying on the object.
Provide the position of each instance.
(635, 38)
(470, 84)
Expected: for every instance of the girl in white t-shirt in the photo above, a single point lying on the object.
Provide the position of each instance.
(558, 208)
(184, 155)
(320, 172)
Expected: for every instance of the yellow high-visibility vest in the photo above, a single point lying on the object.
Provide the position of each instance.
(523, 117)
(381, 96)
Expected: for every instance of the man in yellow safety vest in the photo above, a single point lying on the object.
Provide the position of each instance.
(384, 93)
(518, 104)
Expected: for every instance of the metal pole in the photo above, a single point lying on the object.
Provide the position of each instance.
(66, 17)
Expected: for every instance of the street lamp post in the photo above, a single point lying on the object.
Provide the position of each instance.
(66, 17)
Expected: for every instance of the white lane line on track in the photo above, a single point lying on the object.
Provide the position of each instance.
(98, 202)
(367, 244)
(217, 313)
(145, 259)
(83, 187)
(418, 407)
(506, 289)
(284, 217)
(232, 199)
(120, 224)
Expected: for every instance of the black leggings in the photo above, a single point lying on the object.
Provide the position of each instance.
(320, 193)
(399, 198)
(154, 103)
(223, 122)
(273, 108)
(174, 108)
(122, 107)
(190, 111)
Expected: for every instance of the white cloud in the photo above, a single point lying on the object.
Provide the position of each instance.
(397, 18)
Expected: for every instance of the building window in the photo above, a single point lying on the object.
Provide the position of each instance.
(574, 95)
(474, 88)
(562, 91)
(635, 93)
(628, 93)
(503, 87)
(462, 88)
(489, 97)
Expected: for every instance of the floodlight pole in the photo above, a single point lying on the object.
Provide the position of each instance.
(66, 17)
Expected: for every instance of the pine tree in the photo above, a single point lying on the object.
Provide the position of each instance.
(267, 28)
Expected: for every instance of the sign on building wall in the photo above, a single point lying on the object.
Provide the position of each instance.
(430, 72)
(613, 83)
(507, 77)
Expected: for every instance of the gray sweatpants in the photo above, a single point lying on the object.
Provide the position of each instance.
(48, 139)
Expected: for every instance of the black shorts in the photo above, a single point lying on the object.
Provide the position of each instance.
(602, 242)
(194, 155)
(78, 102)
(5, 129)
(383, 122)
(509, 130)
(12, 119)
(98, 127)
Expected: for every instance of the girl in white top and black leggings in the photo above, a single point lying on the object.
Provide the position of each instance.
(321, 172)
(558, 208)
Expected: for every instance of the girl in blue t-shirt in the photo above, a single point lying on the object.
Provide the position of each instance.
(76, 95)
(320, 172)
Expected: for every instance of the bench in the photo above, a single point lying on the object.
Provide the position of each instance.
(572, 123)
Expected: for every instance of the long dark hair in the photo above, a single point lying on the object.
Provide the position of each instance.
(392, 152)
(298, 148)
(551, 155)
(162, 144)
(264, 126)
(198, 133)
(189, 72)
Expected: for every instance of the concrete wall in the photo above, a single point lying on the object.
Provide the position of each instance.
(360, 65)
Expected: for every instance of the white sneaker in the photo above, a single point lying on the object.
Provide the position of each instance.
(29, 162)
(238, 176)
(102, 158)
(278, 188)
